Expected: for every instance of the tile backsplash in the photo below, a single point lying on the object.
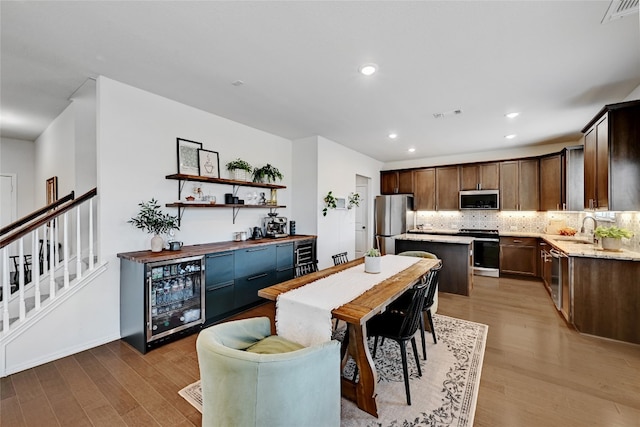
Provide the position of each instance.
(528, 222)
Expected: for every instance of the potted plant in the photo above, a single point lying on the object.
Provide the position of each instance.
(611, 237)
(267, 173)
(151, 219)
(329, 203)
(372, 261)
(239, 169)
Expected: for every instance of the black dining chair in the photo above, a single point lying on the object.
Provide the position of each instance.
(306, 268)
(340, 258)
(401, 326)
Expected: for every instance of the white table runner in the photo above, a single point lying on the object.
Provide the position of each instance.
(303, 315)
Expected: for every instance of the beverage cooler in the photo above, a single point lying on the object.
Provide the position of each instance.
(171, 303)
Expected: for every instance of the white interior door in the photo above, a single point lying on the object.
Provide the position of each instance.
(8, 199)
(362, 215)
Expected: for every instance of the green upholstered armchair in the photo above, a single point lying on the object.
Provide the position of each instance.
(240, 388)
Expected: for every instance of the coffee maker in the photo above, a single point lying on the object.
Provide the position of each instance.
(274, 226)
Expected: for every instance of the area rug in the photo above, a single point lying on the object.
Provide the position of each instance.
(445, 395)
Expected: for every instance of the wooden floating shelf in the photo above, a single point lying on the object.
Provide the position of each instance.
(196, 178)
(216, 205)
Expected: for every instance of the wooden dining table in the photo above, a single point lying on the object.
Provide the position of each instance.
(355, 314)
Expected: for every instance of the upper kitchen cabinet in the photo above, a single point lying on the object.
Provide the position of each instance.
(447, 188)
(519, 185)
(480, 176)
(612, 158)
(396, 182)
(424, 195)
(551, 182)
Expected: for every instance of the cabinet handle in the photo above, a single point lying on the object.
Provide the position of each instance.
(256, 250)
(284, 244)
(218, 255)
(564, 206)
(517, 241)
(257, 277)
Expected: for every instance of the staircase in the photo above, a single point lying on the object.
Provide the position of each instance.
(52, 258)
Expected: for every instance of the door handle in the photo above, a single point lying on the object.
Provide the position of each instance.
(363, 227)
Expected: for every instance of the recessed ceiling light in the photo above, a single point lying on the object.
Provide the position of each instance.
(512, 115)
(513, 135)
(393, 135)
(368, 69)
(237, 83)
(411, 150)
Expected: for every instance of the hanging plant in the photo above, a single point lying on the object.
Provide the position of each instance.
(329, 203)
(354, 200)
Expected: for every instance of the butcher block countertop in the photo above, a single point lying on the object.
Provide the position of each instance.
(206, 248)
(440, 238)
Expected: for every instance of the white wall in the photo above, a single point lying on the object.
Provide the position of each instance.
(305, 185)
(635, 94)
(17, 157)
(84, 101)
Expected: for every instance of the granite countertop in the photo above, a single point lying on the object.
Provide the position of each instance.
(570, 245)
(442, 238)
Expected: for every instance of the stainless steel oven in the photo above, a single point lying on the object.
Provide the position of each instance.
(486, 251)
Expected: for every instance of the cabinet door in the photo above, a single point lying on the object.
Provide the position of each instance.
(509, 186)
(424, 195)
(590, 168)
(219, 268)
(284, 262)
(602, 163)
(447, 188)
(551, 183)
(246, 288)
(489, 176)
(405, 182)
(219, 301)
(519, 256)
(388, 182)
(252, 261)
(469, 175)
(528, 185)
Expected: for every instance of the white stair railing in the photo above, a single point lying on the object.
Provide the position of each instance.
(54, 265)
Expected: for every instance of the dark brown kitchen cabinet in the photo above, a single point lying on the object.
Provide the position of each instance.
(480, 176)
(424, 194)
(447, 188)
(551, 183)
(519, 255)
(519, 185)
(612, 158)
(396, 182)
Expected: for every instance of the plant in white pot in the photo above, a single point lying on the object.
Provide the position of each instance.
(372, 261)
(151, 219)
(611, 237)
(239, 169)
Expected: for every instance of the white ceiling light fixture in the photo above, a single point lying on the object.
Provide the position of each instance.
(513, 135)
(512, 115)
(412, 150)
(368, 69)
(393, 135)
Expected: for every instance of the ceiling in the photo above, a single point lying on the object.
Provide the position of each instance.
(553, 61)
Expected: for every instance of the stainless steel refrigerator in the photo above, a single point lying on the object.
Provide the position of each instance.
(394, 215)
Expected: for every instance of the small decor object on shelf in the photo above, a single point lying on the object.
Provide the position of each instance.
(267, 174)
(354, 200)
(611, 237)
(372, 261)
(239, 169)
(209, 163)
(330, 202)
(188, 157)
(151, 219)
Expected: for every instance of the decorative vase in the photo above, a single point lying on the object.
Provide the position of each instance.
(273, 200)
(239, 175)
(372, 264)
(157, 243)
(611, 244)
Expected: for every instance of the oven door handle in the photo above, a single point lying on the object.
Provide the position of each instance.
(482, 239)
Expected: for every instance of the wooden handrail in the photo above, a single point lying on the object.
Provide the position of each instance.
(35, 214)
(47, 218)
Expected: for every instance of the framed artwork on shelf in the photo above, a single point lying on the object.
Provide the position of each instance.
(188, 156)
(209, 163)
(52, 189)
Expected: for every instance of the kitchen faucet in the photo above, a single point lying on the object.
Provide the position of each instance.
(595, 224)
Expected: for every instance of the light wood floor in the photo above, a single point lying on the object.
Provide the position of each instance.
(536, 372)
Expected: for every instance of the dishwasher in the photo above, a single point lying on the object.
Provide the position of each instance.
(556, 277)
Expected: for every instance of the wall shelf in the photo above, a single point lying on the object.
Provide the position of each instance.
(182, 179)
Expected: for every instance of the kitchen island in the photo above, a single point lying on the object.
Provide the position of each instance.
(456, 276)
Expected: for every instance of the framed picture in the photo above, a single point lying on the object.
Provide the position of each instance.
(341, 203)
(209, 163)
(52, 189)
(188, 156)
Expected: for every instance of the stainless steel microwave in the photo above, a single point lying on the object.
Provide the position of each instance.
(480, 199)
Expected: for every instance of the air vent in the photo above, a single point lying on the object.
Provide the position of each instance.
(619, 9)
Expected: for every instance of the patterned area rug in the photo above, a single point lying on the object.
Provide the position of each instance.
(445, 395)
